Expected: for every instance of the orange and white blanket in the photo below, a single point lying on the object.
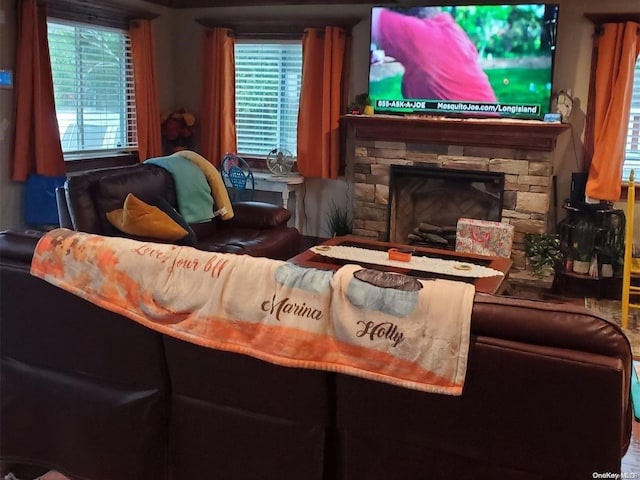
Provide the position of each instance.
(381, 326)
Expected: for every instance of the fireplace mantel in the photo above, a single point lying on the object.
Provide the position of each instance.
(500, 133)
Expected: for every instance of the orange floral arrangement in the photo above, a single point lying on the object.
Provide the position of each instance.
(178, 129)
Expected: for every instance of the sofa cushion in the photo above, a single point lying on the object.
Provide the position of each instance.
(191, 239)
(250, 214)
(139, 218)
(146, 182)
(205, 229)
(280, 243)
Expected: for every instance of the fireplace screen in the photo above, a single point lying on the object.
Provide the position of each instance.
(426, 203)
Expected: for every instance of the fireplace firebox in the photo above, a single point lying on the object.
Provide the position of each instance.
(425, 203)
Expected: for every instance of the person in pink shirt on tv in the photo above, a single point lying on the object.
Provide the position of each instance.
(440, 61)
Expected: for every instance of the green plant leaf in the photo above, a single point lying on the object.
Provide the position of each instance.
(338, 220)
(543, 251)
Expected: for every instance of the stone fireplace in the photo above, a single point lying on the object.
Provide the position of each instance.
(425, 203)
(521, 151)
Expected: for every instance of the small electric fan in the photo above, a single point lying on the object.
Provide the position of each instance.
(280, 162)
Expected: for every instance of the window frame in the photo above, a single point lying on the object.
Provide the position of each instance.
(634, 122)
(275, 28)
(128, 122)
(253, 156)
(98, 15)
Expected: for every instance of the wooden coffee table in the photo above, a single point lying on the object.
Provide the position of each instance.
(493, 285)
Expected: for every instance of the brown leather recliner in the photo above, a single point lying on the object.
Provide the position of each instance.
(258, 228)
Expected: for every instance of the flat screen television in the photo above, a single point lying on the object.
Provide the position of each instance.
(469, 60)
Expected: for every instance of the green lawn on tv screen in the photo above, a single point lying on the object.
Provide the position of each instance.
(511, 85)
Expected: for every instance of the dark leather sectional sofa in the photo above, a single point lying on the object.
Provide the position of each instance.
(257, 229)
(97, 396)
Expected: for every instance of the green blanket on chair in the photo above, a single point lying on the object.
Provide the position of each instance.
(193, 193)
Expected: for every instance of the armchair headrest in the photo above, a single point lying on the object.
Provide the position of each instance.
(92, 194)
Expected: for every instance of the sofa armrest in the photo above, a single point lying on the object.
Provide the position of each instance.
(19, 244)
(259, 215)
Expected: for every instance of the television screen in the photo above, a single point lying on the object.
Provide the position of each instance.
(471, 60)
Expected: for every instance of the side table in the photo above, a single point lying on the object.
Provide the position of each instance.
(292, 183)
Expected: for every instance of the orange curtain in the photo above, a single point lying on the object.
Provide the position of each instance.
(321, 102)
(37, 146)
(617, 53)
(218, 126)
(144, 80)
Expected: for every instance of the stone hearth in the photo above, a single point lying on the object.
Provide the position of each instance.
(522, 150)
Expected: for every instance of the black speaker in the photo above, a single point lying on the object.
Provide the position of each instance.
(578, 186)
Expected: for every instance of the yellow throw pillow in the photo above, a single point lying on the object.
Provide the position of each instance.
(139, 218)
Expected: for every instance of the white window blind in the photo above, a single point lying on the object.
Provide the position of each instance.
(632, 153)
(93, 87)
(268, 76)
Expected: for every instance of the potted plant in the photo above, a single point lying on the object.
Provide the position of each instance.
(611, 256)
(361, 105)
(338, 221)
(543, 252)
(607, 260)
(368, 106)
(582, 244)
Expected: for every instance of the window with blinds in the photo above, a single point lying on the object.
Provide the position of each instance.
(632, 153)
(268, 76)
(93, 87)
